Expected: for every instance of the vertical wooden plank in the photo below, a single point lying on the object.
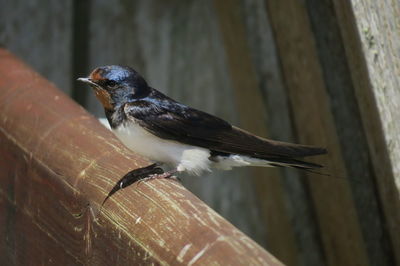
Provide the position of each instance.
(252, 113)
(300, 208)
(351, 134)
(39, 32)
(370, 31)
(337, 216)
(177, 47)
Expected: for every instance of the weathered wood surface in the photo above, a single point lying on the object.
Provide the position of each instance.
(335, 209)
(371, 34)
(58, 163)
(318, 72)
(321, 61)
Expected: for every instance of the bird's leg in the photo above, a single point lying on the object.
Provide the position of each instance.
(168, 174)
(133, 176)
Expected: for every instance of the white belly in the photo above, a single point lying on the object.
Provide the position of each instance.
(185, 157)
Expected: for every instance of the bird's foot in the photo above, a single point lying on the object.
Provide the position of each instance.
(168, 174)
(134, 176)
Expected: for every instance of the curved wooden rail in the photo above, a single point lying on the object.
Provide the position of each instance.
(57, 165)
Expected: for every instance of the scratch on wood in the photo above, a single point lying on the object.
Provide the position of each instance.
(183, 252)
(39, 162)
(78, 228)
(134, 239)
(198, 255)
(50, 129)
(213, 217)
(114, 220)
(167, 199)
(161, 242)
(83, 172)
(53, 238)
(87, 236)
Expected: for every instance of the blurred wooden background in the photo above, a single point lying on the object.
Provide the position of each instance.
(314, 72)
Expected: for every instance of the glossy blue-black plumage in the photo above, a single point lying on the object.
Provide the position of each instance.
(123, 75)
(122, 82)
(135, 101)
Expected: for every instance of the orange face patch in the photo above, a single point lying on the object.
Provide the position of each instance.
(97, 75)
(104, 97)
(101, 94)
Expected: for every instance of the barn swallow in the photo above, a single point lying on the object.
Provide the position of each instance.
(183, 138)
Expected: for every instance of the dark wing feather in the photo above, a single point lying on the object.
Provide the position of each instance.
(178, 122)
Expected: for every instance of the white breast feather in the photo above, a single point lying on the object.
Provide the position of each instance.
(184, 157)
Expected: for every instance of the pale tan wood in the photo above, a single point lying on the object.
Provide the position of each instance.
(338, 222)
(371, 33)
(350, 130)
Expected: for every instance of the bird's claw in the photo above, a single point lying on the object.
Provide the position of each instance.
(140, 175)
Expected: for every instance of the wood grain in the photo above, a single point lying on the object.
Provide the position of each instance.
(371, 34)
(351, 134)
(337, 217)
(327, 74)
(59, 165)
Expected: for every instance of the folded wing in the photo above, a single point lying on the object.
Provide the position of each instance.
(187, 125)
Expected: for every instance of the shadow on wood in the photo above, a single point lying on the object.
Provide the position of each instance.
(57, 165)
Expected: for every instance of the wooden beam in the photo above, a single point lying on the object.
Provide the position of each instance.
(370, 31)
(342, 238)
(57, 165)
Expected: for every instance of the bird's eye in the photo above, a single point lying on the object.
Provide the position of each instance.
(110, 83)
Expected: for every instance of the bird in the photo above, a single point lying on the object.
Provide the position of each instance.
(178, 137)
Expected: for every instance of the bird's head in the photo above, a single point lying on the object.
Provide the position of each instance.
(116, 85)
